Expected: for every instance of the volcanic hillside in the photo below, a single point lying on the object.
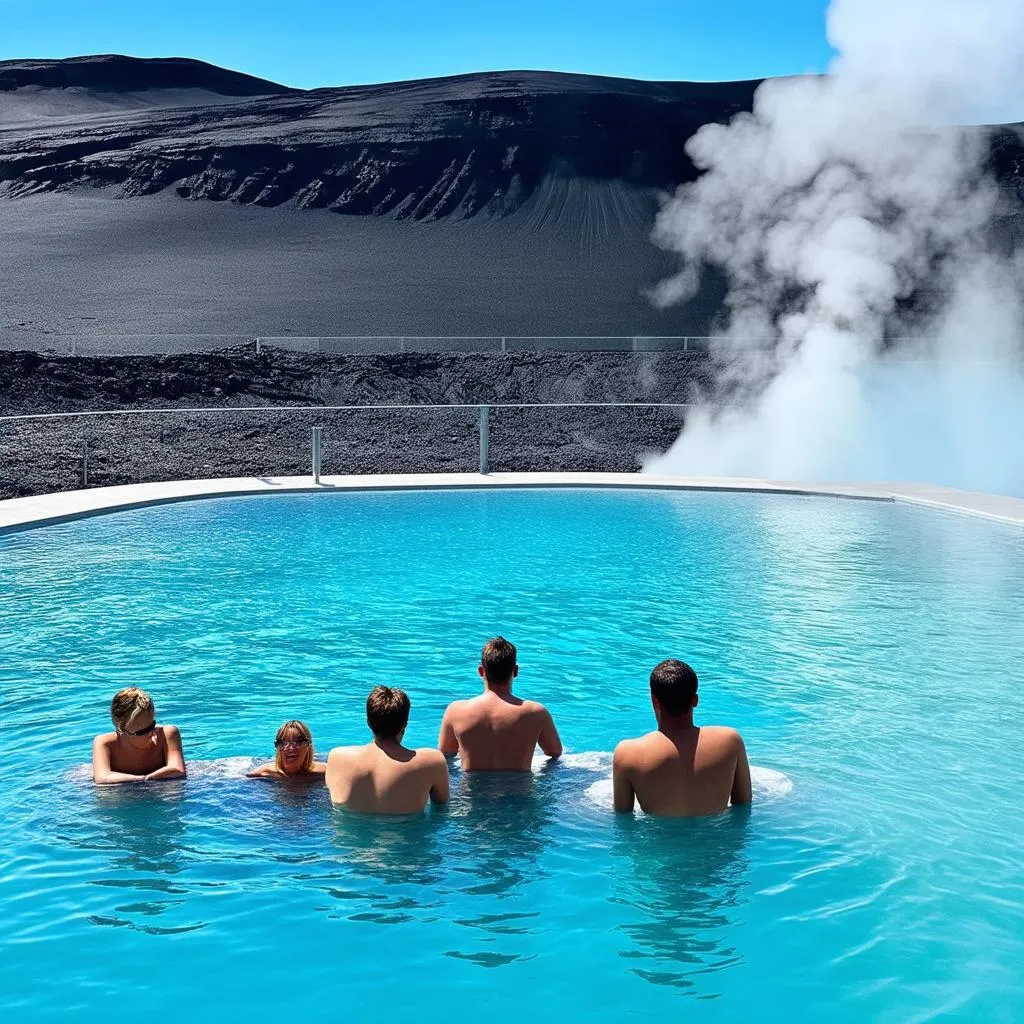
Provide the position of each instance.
(505, 203)
(426, 149)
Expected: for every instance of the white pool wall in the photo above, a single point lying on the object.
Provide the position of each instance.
(48, 509)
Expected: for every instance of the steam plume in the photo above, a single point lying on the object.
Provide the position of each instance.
(830, 207)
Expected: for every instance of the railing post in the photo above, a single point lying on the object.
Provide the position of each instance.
(317, 449)
(502, 346)
(485, 425)
(85, 462)
(259, 346)
(686, 342)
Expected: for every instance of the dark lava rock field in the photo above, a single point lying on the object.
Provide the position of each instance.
(129, 443)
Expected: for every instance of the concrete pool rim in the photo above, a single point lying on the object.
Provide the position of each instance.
(18, 514)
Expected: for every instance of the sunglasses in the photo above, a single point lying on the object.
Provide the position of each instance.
(140, 732)
(291, 743)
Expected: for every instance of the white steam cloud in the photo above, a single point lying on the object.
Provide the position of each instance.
(828, 208)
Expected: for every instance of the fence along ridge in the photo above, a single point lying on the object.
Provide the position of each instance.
(425, 406)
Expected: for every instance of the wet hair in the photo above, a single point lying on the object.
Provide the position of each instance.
(293, 725)
(127, 703)
(387, 711)
(674, 684)
(498, 659)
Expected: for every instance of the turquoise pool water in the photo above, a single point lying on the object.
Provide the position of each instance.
(869, 652)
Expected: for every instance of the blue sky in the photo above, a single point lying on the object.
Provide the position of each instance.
(309, 43)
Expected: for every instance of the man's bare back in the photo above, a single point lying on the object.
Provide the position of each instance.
(498, 732)
(386, 778)
(683, 773)
(681, 770)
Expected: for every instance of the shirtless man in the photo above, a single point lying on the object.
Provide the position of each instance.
(138, 750)
(681, 770)
(496, 731)
(384, 777)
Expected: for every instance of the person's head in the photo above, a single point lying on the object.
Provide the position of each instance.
(293, 748)
(498, 662)
(133, 714)
(673, 689)
(387, 712)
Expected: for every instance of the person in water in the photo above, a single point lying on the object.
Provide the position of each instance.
(680, 770)
(294, 757)
(384, 777)
(497, 731)
(138, 750)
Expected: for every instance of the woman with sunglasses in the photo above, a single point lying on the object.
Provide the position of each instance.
(138, 750)
(294, 758)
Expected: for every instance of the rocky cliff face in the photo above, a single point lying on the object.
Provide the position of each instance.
(422, 150)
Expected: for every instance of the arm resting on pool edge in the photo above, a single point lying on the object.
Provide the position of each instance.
(175, 767)
(116, 778)
(102, 774)
(549, 740)
(447, 741)
(440, 788)
(742, 790)
(623, 796)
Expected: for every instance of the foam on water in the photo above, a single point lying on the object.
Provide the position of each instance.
(768, 785)
(584, 760)
(218, 768)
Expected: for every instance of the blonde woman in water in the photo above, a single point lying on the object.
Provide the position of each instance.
(294, 758)
(138, 750)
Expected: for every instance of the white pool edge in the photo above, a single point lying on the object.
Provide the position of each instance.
(44, 510)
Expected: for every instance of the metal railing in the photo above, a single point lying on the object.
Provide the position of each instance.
(108, 345)
(483, 420)
(101, 345)
(399, 344)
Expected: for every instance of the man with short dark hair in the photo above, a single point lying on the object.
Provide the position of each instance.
(681, 770)
(384, 777)
(498, 731)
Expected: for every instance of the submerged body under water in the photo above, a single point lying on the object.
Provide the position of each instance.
(868, 652)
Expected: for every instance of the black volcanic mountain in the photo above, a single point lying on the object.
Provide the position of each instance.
(501, 203)
(30, 89)
(422, 149)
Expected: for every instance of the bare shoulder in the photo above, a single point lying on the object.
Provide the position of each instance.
(456, 708)
(626, 750)
(430, 757)
(723, 736)
(721, 732)
(341, 754)
(105, 739)
(318, 768)
(263, 771)
(171, 732)
(641, 748)
(534, 708)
